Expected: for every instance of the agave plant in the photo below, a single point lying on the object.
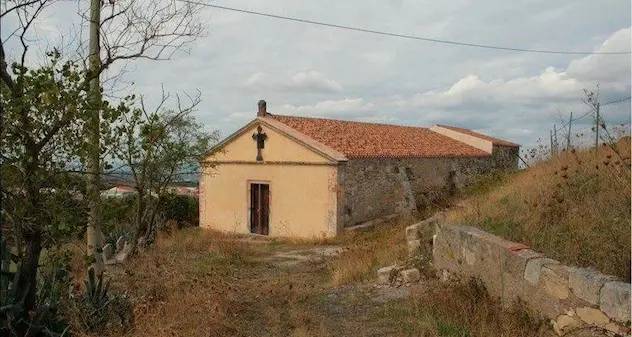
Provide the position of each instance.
(96, 293)
(96, 301)
(12, 302)
(44, 319)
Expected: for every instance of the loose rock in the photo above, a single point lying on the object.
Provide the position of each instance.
(564, 324)
(387, 274)
(410, 275)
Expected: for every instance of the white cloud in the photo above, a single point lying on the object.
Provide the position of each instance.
(302, 82)
(612, 70)
(313, 81)
(238, 117)
(348, 107)
(517, 107)
(550, 84)
(256, 80)
(309, 70)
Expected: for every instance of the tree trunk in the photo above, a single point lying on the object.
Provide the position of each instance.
(28, 278)
(151, 224)
(28, 268)
(93, 232)
(140, 210)
(32, 236)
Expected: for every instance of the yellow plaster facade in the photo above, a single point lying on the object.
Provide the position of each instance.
(302, 184)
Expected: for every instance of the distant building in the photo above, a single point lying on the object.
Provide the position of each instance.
(121, 191)
(305, 177)
(182, 190)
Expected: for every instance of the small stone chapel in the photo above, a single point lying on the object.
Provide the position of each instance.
(289, 176)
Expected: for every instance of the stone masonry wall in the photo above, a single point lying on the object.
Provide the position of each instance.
(505, 158)
(372, 188)
(573, 298)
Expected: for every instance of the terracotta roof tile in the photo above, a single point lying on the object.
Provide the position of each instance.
(494, 141)
(370, 140)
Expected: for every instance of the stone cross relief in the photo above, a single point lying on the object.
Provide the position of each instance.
(260, 138)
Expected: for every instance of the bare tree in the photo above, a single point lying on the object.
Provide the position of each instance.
(135, 29)
(157, 145)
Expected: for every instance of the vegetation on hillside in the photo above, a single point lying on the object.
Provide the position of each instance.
(459, 309)
(197, 282)
(574, 207)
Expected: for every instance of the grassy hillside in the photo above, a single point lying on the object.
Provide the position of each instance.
(574, 208)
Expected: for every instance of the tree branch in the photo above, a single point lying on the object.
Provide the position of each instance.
(4, 75)
(20, 5)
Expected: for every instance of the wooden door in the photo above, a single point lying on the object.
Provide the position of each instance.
(259, 208)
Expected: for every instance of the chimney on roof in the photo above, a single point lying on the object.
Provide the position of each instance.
(262, 109)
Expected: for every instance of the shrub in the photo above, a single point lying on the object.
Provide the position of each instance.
(181, 208)
(116, 232)
(116, 211)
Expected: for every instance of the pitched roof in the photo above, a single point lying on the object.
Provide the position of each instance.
(495, 141)
(370, 140)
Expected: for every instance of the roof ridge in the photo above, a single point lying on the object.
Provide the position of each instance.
(348, 121)
(494, 140)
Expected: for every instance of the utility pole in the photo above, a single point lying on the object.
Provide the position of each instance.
(93, 162)
(551, 134)
(555, 135)
(568, 138)
(597, 125)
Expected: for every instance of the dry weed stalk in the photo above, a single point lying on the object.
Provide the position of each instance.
(574, 207)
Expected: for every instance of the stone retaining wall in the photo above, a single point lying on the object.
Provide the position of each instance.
(573, 298)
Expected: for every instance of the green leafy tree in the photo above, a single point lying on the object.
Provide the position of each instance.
(159, 147)
(42, 142)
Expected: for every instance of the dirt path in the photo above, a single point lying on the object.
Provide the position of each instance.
(347, 310)
(370, 309)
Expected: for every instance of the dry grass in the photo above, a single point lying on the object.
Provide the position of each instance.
(183, 283)
(574, 208)
(203, 283)
(368, 250)
(458, 310)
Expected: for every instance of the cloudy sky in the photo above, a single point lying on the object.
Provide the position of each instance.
(307, 70)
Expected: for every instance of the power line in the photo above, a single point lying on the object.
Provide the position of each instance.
(412, 37)
(607, 103)
(593, 110)
(618, 101)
